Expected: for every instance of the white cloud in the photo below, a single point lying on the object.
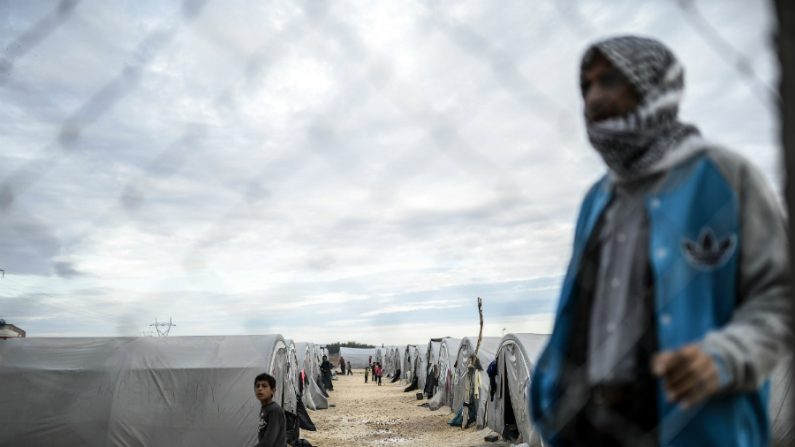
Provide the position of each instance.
(360, 171)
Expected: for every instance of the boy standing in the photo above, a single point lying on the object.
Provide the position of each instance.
(272, 424)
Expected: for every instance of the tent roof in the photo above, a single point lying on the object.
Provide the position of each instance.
(487, 351)
(134, 391)
(138, 352)
(531, 344)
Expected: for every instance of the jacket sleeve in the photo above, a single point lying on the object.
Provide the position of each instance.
(747, 349)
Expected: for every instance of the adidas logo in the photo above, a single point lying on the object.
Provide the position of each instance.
(709, 253)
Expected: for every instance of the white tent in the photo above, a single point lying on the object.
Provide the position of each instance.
(428, 361)
(148, 391)
(379, 355)
(405, 362)
(312, 394)
(291, 389)
(392, 361)
(516, 358)
(411, 363)
(472, 387)
(419, 365)
(443, 394)
(358, 356)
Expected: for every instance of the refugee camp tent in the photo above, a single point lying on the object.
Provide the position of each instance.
(319, 352)
(311, 392)
(392, 361)
(781, 415)
(379, 355)
(152, 391)
(397, 360)
(358, 356)
(516, 358)
(443, 394)
(405, 362)
(471, 386)
(429, 377)
(291, 389)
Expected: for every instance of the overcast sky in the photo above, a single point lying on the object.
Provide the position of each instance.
(346, 170)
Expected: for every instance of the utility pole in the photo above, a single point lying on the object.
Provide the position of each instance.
(167, 326)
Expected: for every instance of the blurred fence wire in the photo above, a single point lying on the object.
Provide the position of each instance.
(370, 76)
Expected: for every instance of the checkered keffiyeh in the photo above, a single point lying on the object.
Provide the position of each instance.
(631, 144)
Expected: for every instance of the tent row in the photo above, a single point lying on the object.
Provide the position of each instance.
(487, 385)
(154, 391)
(453, 373)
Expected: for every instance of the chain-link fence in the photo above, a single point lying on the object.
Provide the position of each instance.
(323, 169)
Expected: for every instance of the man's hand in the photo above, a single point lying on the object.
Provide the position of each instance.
(689, 374)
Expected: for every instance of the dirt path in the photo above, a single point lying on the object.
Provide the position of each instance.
(369, 415)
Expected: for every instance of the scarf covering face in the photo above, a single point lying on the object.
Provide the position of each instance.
(633, 143)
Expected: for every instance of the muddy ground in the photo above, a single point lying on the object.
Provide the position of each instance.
(371, 415)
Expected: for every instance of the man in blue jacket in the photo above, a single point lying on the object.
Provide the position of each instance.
(675, 305)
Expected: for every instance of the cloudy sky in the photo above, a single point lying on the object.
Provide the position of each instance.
(346, 170)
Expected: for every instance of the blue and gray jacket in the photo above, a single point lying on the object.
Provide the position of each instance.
(718, 252)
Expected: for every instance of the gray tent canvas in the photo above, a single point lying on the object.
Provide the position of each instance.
(313, 396)
(472, 387)
(163, 391)
(410, 363)
(429, 359)
(443, 395)
(392, 362)
(405, 362)
(516, 358)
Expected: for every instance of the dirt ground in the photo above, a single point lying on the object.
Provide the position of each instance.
(369, 415)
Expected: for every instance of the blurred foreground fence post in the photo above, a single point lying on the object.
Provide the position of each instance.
(785, 43)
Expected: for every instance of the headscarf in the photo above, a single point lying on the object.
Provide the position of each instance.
(633, 143)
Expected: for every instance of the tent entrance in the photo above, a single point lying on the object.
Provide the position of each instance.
(510, 431)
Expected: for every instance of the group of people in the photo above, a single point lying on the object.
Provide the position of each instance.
(345, 367)
(677, 301)
(376, 370)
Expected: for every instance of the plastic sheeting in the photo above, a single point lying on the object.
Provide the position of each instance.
(413, 357)
(147, 391)
(443, 395)
(392, 361)
(516, 358)
(463, 387)
(358, 356)
(308, 363)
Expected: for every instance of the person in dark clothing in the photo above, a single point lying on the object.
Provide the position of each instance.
(350, 370)
(272, 431)
(325, 370)
(366, 373)
(342, 365)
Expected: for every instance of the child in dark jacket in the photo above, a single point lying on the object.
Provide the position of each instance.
(272, 424)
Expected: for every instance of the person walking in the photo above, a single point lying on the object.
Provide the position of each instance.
(325, 372)
(675, 306)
